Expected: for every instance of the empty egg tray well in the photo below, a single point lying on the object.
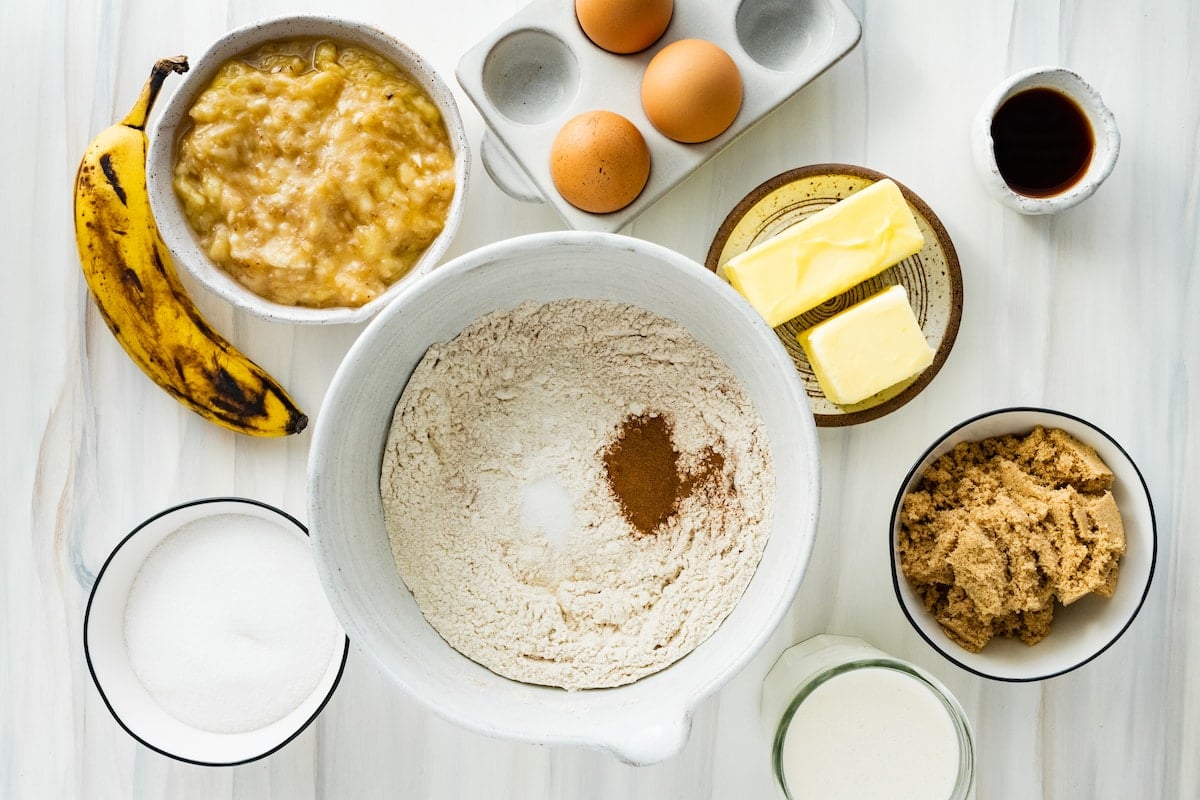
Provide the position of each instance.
(538, 70)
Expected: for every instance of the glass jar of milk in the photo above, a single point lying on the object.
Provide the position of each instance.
(850, 721)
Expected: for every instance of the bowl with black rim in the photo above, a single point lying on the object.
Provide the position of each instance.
(131, 704)
(1080, 631)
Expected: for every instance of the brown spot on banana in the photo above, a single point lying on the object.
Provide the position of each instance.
(131, 278)
(113, 179)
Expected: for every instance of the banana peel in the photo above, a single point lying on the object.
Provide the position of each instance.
(132, 279)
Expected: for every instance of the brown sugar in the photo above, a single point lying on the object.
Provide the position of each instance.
(1000, 531)
(643, 470)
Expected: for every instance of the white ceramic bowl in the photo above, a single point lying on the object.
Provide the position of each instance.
(1087, 627)
(642, 722)
(1106, 136)
(168, 213)
(133, 707)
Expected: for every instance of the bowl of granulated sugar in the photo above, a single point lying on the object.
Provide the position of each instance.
(208, 635)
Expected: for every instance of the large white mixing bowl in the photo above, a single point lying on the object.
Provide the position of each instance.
(642, 722)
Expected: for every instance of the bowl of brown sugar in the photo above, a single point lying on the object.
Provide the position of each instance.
(1023, 543)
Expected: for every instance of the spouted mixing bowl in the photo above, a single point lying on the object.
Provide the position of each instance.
(641, 722)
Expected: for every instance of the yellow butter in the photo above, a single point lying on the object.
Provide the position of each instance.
(826, 254)
(874, 344)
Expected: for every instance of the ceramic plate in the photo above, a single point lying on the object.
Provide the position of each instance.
(931, 276)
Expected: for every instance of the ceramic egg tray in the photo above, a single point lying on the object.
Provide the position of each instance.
(538, 70)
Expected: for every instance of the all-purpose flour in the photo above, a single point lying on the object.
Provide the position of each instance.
(502, 522)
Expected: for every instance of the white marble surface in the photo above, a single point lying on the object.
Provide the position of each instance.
(1092, 312)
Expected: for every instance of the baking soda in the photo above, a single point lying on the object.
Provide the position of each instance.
(546, 508)
(227, 626)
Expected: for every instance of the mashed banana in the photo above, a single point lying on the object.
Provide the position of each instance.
(315, 173)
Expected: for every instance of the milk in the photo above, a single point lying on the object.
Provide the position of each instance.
(871, 732)
(848, 721)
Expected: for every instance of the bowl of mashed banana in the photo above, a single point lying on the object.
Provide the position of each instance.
(306, 167)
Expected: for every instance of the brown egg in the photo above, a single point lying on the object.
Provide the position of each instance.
(624, 26)
(599, 161)
(691, 90)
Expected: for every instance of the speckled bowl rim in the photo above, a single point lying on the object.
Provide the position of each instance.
(944, 647)
(174, 227)
(108, 703)
(954, 270)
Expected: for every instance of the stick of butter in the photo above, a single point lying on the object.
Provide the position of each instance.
(827, 253)
(874, 344)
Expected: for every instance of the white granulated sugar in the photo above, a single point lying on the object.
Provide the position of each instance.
(227, 625)
(499, 511)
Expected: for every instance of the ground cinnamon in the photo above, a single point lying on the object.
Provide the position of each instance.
(642, 466)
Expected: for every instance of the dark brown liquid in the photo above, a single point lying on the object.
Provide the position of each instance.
(1043, 142)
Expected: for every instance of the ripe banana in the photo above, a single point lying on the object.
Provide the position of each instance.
(133, 281)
